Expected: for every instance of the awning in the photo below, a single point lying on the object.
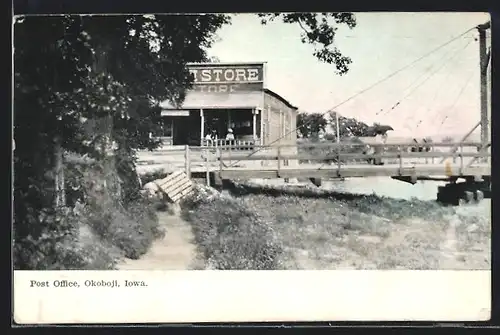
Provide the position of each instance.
(235, 100)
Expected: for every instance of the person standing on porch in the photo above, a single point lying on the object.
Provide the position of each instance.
(214, 137)
(208, 138)
(230, 135)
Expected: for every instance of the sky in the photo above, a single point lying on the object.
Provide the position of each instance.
(438, 95)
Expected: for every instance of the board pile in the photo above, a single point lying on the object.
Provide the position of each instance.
(174, 187)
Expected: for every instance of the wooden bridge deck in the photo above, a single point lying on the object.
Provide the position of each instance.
(355, 170)
(270, 163)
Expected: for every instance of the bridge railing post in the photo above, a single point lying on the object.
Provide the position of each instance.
(279, 159)
(339, 163)
(400, 160)
(187, 161)
(207, 155)
(218, 153)
(461, 158)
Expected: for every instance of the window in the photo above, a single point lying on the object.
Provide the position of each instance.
(288, 122)
(282, 123)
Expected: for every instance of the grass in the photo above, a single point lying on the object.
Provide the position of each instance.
(317, 229)
(230, 235)
(473, 234)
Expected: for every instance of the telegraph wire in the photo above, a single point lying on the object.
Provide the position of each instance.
(456, 99)
(437, 93)
(447, 61)
(421, 76)
(369, 87)
(428, 77)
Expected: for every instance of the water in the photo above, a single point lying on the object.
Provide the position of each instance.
(385, 186)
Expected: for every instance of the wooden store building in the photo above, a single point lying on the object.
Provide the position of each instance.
(229, 98)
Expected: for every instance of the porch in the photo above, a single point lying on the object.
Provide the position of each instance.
(213, 114)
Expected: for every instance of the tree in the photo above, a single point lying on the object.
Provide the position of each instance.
(448, 139)
(213, 59)
(348, 127)
(319, 31)
(310, 124)
(82, 81)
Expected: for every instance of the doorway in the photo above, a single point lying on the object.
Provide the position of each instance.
(186, 129)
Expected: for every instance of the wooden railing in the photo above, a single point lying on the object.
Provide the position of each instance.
(239, 145)
(338, 154)
(227, 157)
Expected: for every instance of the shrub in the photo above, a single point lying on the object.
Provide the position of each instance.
(152, 176)
(230, 236)
(132, 230)
(130, 225)
(109, 225)
(58, 244)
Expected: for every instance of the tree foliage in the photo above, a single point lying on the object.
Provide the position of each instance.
(310, 124)
(447, 139)
(349, 127)
(81, 80)
(71, 73)
(320, 31)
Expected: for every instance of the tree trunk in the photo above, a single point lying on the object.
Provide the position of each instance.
(60, 192)
(105, 126)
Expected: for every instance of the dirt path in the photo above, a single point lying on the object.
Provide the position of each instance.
(175, 251)
(449, 252)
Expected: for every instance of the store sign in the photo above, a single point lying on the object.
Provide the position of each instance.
(227, 78)
(175, 113)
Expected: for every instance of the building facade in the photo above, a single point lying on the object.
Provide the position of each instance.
(229, 96)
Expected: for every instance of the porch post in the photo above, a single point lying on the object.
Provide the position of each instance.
(202, 126)
(254, 128)
(261, 127)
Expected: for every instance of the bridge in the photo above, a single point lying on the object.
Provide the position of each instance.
(449, 162)
(465, 166)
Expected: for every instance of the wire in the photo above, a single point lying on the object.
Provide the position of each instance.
(413, 83)
(367, 88)
(447, 61)
(457, 99)
(428, 77)
(436, 94)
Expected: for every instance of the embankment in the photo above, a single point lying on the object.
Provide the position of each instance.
(287, 227)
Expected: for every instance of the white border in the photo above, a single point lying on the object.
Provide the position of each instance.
(254, 296)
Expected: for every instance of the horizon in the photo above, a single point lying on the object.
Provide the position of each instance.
(434, 96)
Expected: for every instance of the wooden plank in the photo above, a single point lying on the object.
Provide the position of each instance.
(175, 185)
(358, 171)
(359, 156)
(173, 190)
(181, 192)
(172, 176)
(165, 185)
(172, 181)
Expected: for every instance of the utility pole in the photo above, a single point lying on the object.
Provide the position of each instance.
(337, 126)
(483, 65)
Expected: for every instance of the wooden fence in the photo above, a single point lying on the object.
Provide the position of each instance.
(228, 156)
